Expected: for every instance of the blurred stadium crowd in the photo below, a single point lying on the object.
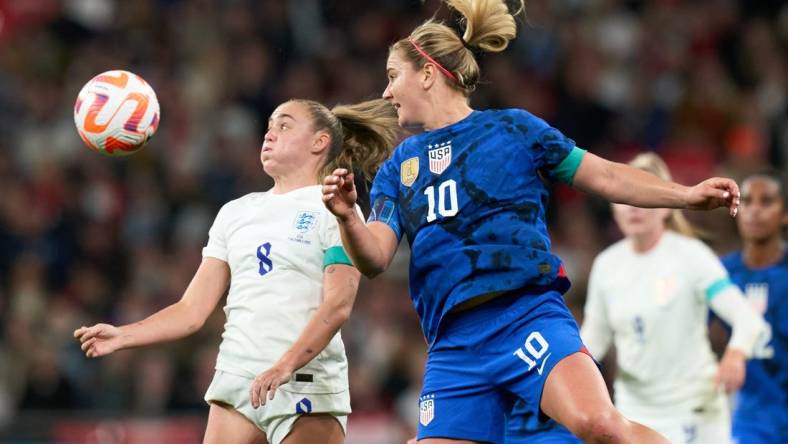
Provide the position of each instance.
(85, 239)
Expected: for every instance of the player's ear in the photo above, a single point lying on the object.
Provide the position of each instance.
(320, 142)
(427, 75)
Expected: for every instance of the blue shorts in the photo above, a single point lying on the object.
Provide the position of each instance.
(525, 427)
(750, 432)
(486, 358)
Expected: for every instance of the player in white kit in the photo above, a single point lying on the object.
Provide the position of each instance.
(281, 373)
(649, 294)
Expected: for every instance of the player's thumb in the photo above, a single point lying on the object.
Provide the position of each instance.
(349, 182)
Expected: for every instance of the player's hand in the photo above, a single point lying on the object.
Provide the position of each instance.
(265, 384)
(731, 371)
(714, 193)
(99, 340)
(339, 193)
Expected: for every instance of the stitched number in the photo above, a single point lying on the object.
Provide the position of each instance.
(263, 252)
(535, 348)
(445, 209)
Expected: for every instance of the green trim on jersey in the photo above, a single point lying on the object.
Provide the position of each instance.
(717, 287)
(336, 255)
(565, 171)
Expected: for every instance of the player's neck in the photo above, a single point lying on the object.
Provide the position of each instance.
(645, 242)
(445, 113)
(764, 254)
(288, 183)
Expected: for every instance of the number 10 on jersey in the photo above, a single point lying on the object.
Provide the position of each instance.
(447, 207)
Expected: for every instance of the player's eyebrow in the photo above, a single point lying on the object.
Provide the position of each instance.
(281, 116)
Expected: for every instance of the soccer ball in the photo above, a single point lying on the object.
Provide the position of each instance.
(116, 113)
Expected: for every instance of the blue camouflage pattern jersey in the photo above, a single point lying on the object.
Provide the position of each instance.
(470, 199)
(762, 403)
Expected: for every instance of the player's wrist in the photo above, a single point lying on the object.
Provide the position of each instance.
(287, 363)
(734, 353)
(124, 338)
(347, 218)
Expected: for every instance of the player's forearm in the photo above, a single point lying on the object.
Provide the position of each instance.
(622, 183)
(748, 328)
(173, 322)
(316, 335)
(362, 246)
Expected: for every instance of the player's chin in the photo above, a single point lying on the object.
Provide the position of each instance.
(269, 166)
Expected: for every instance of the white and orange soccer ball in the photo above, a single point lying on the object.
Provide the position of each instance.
(116, 113)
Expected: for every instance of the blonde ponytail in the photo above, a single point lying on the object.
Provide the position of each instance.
(489, 26)
(370, 131)
(654, 164)
(363, 135)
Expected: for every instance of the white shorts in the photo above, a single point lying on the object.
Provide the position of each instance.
(692, 428)
(277, 416)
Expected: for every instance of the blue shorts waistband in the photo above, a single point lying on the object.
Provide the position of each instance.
(500, 309)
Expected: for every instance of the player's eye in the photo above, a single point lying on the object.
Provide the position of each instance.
(283, 126)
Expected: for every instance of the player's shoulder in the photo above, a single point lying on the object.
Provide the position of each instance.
(408, 147)
(513, 115)
(784, 262)
(611, 256)
(240, 203)
(733, 260)
(689, 246)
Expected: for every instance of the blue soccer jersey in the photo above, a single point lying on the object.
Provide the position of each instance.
(470, 199)
(763, 400)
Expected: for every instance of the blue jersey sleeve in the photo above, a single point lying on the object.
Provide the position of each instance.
(550, 148)
(383, 197)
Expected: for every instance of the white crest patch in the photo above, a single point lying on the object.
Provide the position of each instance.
(440, 157)
(758, 296)
(305, 221)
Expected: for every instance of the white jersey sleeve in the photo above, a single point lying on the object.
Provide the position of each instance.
(596, 332)
(711, 278)
(331, 240)
(217, 241)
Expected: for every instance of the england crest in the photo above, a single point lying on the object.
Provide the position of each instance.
(440, 157)
(305, 221)
(427, 410)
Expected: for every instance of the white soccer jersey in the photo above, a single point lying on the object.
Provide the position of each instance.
(654, 307)
(275, 245)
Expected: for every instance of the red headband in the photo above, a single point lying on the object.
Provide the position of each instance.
(445, 71)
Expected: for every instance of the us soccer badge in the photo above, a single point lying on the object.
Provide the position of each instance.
(426, 409)
(440, 157)
(409, 171)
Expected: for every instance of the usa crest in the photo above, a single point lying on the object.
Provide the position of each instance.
(409, 171)
(426, 409)
(440, 157)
